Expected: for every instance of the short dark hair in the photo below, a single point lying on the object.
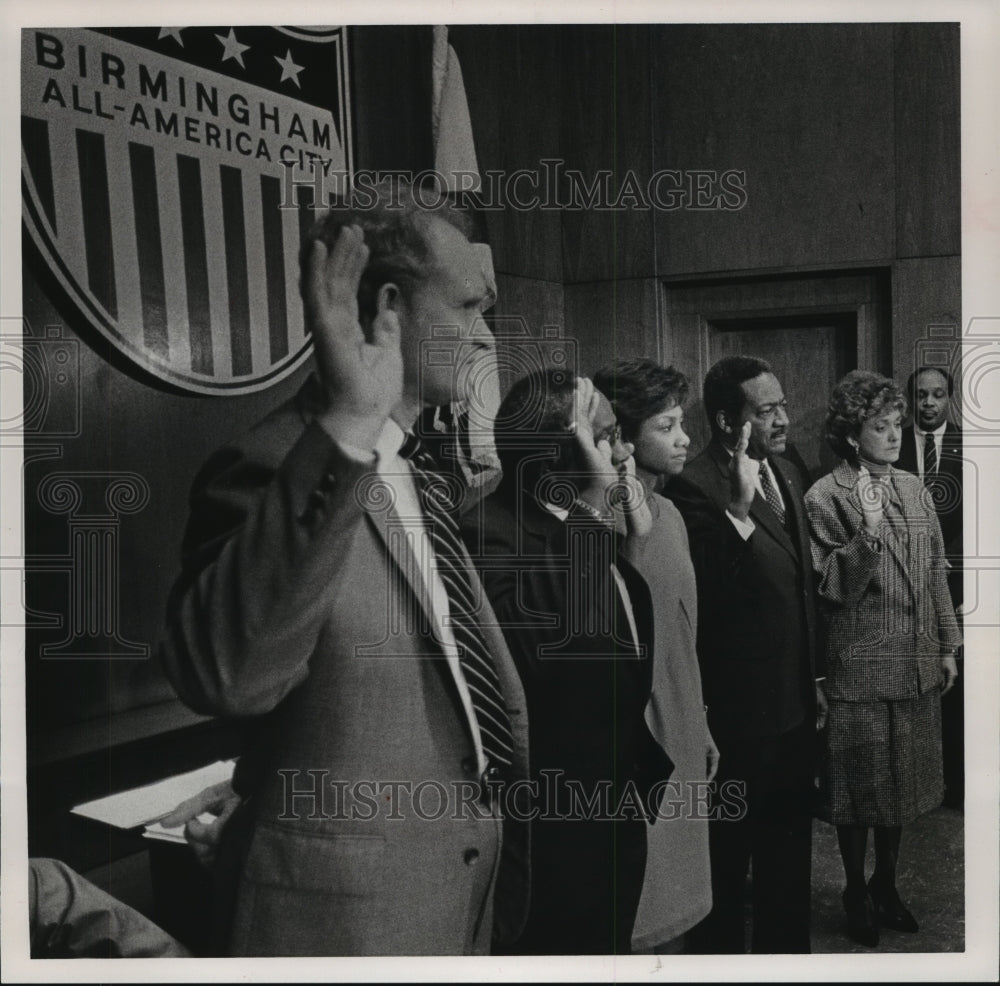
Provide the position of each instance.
(535, 416)
(911, 383)
(394, 216)
(859, 396)
(723, 389)
(638, 389)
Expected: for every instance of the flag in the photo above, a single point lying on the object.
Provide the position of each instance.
(455, 159)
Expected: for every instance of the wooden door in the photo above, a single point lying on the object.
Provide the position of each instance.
(812, 329)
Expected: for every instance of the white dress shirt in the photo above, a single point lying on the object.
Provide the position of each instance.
(396, 473)
(746, 527)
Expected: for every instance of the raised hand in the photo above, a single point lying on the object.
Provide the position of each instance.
(600, 470)
(743, 472)
(870, 494)
(631, 496)
(363, 380)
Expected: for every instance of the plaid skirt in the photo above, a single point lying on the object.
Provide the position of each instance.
(883, 760)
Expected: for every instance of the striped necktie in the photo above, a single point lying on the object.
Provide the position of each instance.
(453, 568)
(770, 493)
(930, 457)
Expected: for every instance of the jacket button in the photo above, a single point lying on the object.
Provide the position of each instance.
(329, 481)
(471, 857)
(469, 765)
(317, 499)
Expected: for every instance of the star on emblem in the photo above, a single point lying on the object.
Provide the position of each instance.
(171, 32)
(232, 48)
(289, 70)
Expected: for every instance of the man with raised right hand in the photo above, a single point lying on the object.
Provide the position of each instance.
(743, 507)
(325, 594)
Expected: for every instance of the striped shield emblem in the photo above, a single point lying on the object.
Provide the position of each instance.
(169, 177)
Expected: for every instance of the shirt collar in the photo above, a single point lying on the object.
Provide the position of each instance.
(389, 441)
(917, 430)
(763, 462)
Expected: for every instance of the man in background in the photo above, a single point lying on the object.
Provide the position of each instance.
(932, 449)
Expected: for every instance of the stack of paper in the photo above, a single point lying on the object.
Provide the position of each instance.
(143, 805)
(176, 834)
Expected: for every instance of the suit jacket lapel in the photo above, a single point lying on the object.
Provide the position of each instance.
(795, 529)
(390, 529)
(951, 451)
(760, 512)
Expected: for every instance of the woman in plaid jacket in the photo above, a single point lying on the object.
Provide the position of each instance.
(891, 637)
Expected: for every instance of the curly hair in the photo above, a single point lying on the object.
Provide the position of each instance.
(638, 389)
(859, 396)
(393, 216)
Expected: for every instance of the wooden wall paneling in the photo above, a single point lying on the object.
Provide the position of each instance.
(612, 320)
(739, 296)
(789, 314)
(126, 426)
(530, 94)
(806, 111)
(538, 303)
(873, 354)
(606, 126)
(926, 312)
(685, 346)
(808, 357)
(528, 324)
(513, 78)
(928, 140)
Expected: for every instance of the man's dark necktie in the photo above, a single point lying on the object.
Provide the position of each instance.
(930, 457)
(771, 494)
(452, 566)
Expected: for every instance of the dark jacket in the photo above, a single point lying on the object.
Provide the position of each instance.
(947, 493)
(756, 601)
(550, 584)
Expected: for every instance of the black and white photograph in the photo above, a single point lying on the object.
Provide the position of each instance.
(500, 494)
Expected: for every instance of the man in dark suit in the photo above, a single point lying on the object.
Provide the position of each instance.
(326, 597)
(932, 449)
(742, 504)
(576, 616)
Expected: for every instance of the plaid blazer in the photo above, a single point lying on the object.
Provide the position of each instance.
(887, 612)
